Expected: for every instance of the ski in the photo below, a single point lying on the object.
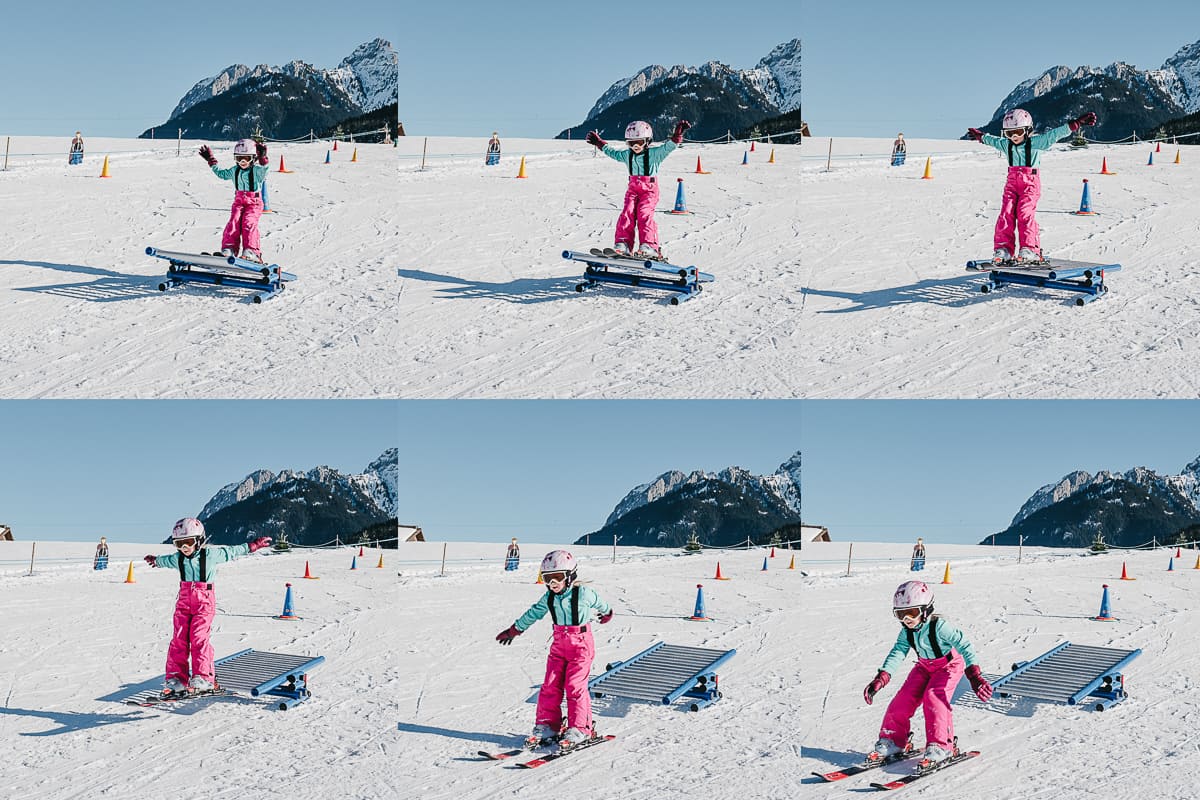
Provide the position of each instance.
(148, 699)
(900, 783)
(864, 766)
(586, 743)
(504, 755)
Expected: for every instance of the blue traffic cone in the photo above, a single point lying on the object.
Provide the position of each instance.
(326, 156)
(1150, 163)
(354, 562)
(680, 202)
(1104, 616)
(1171, 564)
(1085, 204)
(745, 158)
(288, 613)
(699, 614)
(764, 569)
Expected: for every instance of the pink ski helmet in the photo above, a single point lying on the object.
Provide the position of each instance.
(560, 561)
(912, 595)
(244, 147)
(638, 130)
(189, 528)
(1017, 118)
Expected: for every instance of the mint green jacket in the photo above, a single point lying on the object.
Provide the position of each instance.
(1038, 144)
(656, 152)
(241, 176)
(948, 637)
(217, 554)
(590, 607)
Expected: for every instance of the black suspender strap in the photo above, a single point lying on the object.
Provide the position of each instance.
(645, 161)
(1028, 152)
(574, 606)
(933, 642)
(237, 174)
(203, 566)
(182, 577)
(550, 603)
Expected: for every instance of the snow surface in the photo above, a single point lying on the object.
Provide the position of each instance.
(889, 310)
(1010, 612)
(413, 683)
(447, 282)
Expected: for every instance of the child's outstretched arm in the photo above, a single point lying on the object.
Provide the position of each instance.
(207, 154)
(535, 612)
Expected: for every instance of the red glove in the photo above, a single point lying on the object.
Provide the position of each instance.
(604, 618)
(680, 128)
(260, 543)
(1084, 119)
(881, 680)
(593, 138)
(983, 689)
(261, 149)
(506, 637)
(150, 560)
(207, 154)
(975, 134)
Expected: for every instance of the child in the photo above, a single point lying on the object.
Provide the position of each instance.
(100, 560)
(512, 559)
(242, 228)
(76, 153)
(571, 651)
(493, 150)
(942, 652)
(196, 605)
(899, 150)
(643, 159)
(1024, 186)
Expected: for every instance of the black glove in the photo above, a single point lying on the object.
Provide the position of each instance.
(680, 128)
(261, 150)
(593, 138)
(506, 637)
(975, 134)
(207, 154)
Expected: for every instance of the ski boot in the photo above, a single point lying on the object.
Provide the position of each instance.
(226, 252)
(622, 249)
(887, 750)
(252, 255)
(934, 756)
(173, 686)
(199, 685)
(1001, 255)
(542, 734)
(1029, 255)
(651, 253)
(573, 737)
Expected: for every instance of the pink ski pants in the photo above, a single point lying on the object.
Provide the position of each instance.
(241, 232)
(1018, 209)
(194, 611)
(641, 198)
(567, 670)
(930, 685)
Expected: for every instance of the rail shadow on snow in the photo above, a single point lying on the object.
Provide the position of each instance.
(502, 739)
(520, 290)
(107, 287)
(72, 721)
(954, 292)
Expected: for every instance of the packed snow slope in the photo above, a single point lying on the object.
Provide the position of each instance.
(1011, 611)
(488, 306)
(76, 642)
(888, 309)
(463, 692)
(81, 314)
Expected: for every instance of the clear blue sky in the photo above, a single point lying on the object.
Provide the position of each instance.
(115, 69)
(534, 67)
(957, 471)
(937, 67)
(127, 469)
(551, 471)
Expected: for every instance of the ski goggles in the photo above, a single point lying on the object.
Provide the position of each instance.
(556, 577)
(638, 143)
(247, 159)
(1015, 132)
(185, 542)
(907, 613)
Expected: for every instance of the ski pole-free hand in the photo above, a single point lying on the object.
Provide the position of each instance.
(681, 127)
(150, 560)
(207, 154)
(975, 134)
(593, 138)
(261, 150)
(605, 618)
(1088, 118)
(260, 543)
(881, 680)
(983, 689)
(506, 637)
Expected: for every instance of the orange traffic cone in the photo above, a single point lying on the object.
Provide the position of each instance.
(720, 577)
(380, 564)
(282, 168)
(129, 575)
(1177, 552)
(335, 145)
(700, 171)
(360, 550)
(771, 160)
(354, 156)
(1197, 562)
(104, 169)
(1104, 168)
(308, 575)
(1176, 156)
(1158, 147)
(772, 552)
(792, 565)
(1124, 574)
(928, 176)
(946, 577)
(539, 580)
(751, 147)
(521, 171)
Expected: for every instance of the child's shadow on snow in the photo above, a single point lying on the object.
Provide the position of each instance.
(950, 292)
(72, 721)
(519, 290)
(107, 286)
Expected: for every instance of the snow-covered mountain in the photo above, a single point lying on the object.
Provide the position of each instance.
(368, 78)
(1127, 508)
(721, 508)
(376, 484)
(714, 96)
(1124, 97)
